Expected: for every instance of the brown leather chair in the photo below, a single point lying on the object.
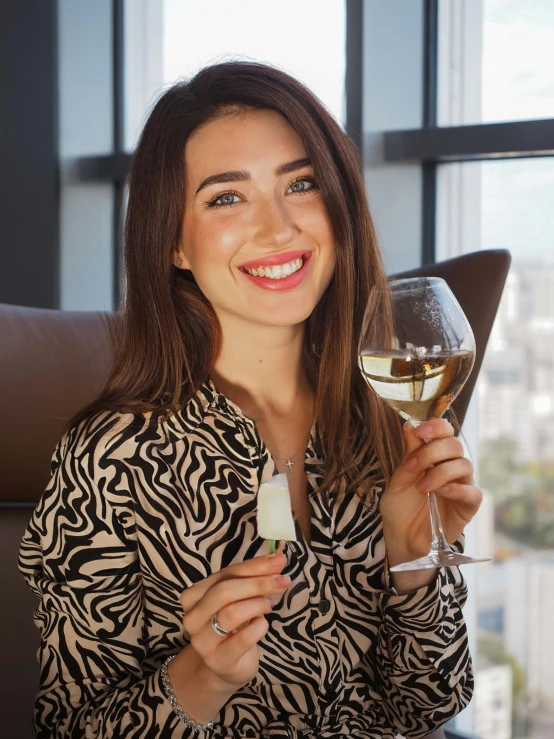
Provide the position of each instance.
(53, 362)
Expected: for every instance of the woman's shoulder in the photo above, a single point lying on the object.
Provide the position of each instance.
(100, 429)
(100, 440)
(115, 432)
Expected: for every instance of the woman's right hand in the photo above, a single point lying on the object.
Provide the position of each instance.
(238, 596)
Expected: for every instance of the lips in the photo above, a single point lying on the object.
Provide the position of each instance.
(275, 259)
(285, 283)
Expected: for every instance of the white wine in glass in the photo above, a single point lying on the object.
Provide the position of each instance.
(428, 359)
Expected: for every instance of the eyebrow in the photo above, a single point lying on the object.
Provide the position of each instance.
(242, 175)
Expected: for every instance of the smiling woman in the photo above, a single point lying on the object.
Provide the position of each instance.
(250, 254)
(249, 125)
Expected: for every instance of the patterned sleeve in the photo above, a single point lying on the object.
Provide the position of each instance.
(79, 556)
(424, 662)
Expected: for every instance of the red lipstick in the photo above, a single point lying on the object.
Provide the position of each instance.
(283, 283)
(274, 259)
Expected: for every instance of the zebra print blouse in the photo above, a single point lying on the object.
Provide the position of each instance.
(137, 510)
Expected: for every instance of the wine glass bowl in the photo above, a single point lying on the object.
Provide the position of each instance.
(418, 370)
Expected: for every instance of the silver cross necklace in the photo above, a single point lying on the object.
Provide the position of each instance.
(289, 463)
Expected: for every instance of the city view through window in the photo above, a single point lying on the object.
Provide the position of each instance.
(515, 594)
(510, 204)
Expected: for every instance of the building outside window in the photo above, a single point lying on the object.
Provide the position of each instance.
(496, 64)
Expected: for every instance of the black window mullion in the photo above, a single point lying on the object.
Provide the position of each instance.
(354, 72)
(118, 139)
(429, 169)
(429, 213)
(479, 142)
(29, 152)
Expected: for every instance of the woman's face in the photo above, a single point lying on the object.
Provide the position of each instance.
(252, 204)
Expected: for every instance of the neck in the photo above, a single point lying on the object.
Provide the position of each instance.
(264, 370)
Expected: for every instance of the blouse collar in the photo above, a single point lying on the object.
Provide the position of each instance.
(211, 398)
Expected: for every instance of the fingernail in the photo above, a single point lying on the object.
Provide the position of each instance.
(282, 581)
(423, 485)
(424, 430)
(410, 464)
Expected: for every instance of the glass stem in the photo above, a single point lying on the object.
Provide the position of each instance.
(438, 539)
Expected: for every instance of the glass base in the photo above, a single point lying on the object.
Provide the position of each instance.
(440, 558)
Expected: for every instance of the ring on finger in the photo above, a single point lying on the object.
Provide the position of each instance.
(219, 630)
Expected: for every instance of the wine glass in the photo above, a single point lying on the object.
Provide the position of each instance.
(418, 371)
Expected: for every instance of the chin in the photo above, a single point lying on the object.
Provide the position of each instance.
(286, 310)
(285, 315)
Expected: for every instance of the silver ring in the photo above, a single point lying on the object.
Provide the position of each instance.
(217, 628)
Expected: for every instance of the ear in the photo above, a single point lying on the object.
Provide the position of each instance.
(179, 258)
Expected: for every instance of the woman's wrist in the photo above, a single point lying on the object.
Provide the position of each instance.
(406, 582)
(200, 693)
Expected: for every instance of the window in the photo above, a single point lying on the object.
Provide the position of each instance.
(306, 39)
(172, 39)
(515, 447)
(496, 64)
(504, 45)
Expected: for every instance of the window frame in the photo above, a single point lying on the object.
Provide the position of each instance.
(430, 145)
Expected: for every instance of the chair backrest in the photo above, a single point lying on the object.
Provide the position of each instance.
(54, 362)
(51, 363)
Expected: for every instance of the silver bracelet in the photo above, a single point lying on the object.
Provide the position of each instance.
(185, 718)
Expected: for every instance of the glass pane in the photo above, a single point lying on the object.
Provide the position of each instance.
(509, 204)
(496, 61)
(306, 39)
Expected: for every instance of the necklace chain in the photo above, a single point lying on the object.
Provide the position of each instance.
(288, 460)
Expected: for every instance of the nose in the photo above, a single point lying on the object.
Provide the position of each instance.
(275, 226)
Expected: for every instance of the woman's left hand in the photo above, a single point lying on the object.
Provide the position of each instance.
(404, 507)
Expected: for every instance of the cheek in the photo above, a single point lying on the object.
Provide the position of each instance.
(328, 251)
(210, 245)
(319, 226)
(316, 221)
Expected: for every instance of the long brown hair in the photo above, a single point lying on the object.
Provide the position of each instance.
(169, 335)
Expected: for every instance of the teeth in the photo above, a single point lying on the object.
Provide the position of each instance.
(278, 272)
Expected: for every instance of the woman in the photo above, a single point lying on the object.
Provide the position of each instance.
(249, 256)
